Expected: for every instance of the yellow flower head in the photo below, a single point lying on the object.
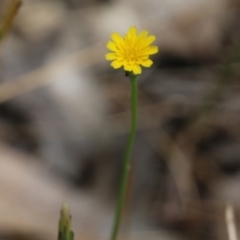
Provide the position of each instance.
(131, 51)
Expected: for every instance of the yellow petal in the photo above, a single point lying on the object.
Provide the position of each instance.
(128, 68)
(112, 46)
(120, 58)
(142, 35)
(148, 40)
(110, 56)
(149, 51)
(152, 50)
(132, 32)
(116, 64)
(137, 69)
(147, 63)
(144, 57)
(139, 61)
(116, 38)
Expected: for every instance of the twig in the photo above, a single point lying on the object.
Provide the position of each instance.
(9, 17)
(230, 222)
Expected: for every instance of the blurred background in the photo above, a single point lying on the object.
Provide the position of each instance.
(65, 119)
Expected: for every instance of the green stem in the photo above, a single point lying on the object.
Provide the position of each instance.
(127, 157)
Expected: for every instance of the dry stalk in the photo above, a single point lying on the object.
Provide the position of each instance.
(230, 222)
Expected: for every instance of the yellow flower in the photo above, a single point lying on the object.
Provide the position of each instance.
(131, 51)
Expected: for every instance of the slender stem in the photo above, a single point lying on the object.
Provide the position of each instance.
(127, 157)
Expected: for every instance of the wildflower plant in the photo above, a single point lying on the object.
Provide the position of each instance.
(131, 52)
